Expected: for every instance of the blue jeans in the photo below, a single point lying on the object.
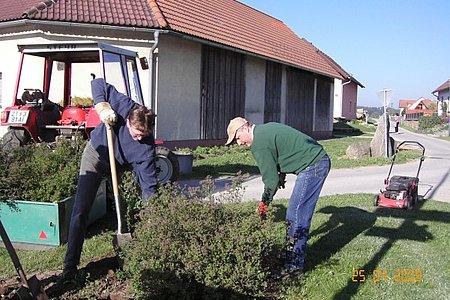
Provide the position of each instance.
(300, 210)
(92, 170)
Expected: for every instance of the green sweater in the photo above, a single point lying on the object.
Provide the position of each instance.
(278, 147)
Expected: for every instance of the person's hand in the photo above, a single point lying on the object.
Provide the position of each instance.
(106, 113)
(281, 180)
(262, 210)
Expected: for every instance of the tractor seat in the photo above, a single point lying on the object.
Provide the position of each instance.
(401, 183)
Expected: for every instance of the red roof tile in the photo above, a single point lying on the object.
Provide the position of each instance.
(226, 22)
(409, 103)
(443, 87)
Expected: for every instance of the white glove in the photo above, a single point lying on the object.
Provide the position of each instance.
(106, 113)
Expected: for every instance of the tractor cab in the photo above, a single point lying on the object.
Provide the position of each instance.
(52, 97)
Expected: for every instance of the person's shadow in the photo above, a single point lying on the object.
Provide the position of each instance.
(344, 224)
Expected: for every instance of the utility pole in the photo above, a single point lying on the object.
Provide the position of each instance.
(386, 94)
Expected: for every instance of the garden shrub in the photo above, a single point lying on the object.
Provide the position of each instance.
(204, 152)
(427, 123)
(190, 244)
(130, 195)
(41, 172)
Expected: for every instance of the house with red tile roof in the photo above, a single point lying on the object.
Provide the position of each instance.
(209, 61)
(413, 109)
(442, 94)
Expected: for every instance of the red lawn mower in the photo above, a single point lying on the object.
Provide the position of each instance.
(401, 191)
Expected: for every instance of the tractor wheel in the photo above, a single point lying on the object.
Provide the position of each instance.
(14, 138)
(167, 168)
(376, 200)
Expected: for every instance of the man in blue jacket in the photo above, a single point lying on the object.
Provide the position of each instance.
(134, 148)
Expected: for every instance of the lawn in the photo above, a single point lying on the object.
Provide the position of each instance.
(355, 251)
(360, 251)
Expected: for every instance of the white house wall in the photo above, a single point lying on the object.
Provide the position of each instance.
(178, 94)
(337, 107)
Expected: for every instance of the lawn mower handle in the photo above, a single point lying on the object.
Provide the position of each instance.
(411, 143)
(398, 148)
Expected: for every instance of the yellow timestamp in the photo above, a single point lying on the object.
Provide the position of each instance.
(379, 275)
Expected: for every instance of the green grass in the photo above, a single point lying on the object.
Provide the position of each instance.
(97, 246)
(348, 233)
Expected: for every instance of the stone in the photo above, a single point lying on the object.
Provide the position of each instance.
(378, 143)
(358, 150)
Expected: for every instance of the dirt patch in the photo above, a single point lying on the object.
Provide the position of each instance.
(97, 280)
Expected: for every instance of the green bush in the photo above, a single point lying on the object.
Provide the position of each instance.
(40, 172)
(130, 194)
(191, 245)
(204, 152)
(427, 122)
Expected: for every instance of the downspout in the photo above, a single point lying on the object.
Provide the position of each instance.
(151, 99)
(150, 75)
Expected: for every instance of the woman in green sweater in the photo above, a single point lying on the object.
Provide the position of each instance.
(278, 150)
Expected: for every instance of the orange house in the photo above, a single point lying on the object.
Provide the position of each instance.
(413, 109)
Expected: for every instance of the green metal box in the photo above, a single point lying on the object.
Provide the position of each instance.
(30, 223)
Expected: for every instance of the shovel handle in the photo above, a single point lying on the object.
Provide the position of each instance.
(115, 184)
(112, 160)
(12, 254)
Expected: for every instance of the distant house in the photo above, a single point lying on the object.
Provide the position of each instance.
(209, 61)
(345, 96)
(413, 109)
(442, 94)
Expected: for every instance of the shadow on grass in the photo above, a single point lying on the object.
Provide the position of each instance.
(408, 230)
(343, 226)
(346, 223)
(342, 129)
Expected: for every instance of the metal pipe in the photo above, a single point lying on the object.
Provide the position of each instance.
(151, 98)
(150, 68)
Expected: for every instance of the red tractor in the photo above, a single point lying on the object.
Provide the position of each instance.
(52, 96)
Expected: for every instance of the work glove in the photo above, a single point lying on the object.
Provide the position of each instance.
(281, 180)
(106, 113)
(262, 210)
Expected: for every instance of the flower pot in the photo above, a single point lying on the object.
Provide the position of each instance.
(185, 161)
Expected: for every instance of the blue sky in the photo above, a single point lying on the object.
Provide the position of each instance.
(402, 45)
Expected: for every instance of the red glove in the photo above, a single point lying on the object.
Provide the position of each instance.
(262, 210)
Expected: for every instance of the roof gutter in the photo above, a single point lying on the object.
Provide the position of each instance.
(16, 23)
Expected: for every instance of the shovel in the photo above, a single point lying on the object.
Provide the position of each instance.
(120, 237)
(31, 288)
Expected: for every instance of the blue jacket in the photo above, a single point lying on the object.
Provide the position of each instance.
(139, 155)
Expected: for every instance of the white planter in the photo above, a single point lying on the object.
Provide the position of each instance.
(185, 161)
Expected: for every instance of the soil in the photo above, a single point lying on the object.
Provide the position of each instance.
(97, 280)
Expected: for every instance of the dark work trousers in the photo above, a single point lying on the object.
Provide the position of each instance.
(93, 168)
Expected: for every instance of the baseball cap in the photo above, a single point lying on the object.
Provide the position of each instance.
(234, 125)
